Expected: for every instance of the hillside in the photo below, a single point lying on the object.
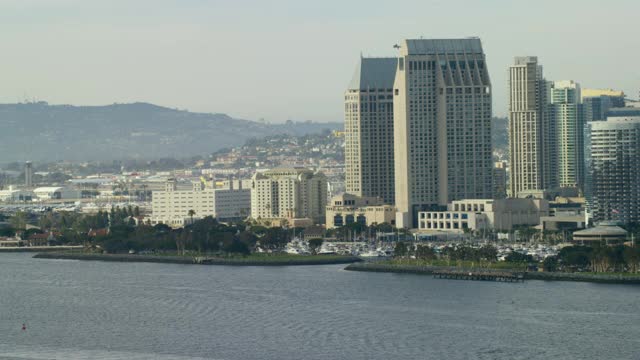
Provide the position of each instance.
(42, 132)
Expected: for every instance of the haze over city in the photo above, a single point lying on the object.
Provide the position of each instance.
(247, 180)
(282, 60)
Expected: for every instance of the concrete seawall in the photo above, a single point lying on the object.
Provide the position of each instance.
(546, 276)
(207, 261)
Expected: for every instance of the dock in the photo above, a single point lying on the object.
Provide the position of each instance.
(480, 275)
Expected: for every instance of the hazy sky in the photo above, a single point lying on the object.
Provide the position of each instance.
(288, 59)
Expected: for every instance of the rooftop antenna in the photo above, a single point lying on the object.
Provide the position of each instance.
(396, 46)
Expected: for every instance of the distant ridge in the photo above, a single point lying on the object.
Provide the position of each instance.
(42, 132)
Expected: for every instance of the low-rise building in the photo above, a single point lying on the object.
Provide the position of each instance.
(14, 195)
(177, 208)
(346, 209)
(606, 233)
(56, 193)
(478, 214)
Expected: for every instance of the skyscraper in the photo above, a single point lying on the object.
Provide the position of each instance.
(531, 135)
(368, 109)
(567, 113)
(442, 125)
(615, 166)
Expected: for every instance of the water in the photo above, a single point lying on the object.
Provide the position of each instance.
(102, 310)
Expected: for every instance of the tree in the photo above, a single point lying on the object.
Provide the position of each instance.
(274, 239)
(632, 258)
(236, 247)
(550, 263)
(400, 250)
(191, 213)
(517, 257)
(576, 257)
(315, 244)
(383, 227)
(487, 253)
(248, 238)
(425, 252)
(7, 231)
(18, 220)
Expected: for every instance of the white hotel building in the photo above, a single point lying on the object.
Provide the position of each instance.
(172, 206)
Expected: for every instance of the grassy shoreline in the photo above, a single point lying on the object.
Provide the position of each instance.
(408, 268)
(251, 260)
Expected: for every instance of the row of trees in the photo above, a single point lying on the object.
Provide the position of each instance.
(572, 258)
(600, 258)
(485, 253)
(204, 236)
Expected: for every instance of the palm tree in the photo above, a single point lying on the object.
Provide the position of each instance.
(191, 213)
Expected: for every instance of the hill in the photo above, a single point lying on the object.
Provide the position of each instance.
(43, 132)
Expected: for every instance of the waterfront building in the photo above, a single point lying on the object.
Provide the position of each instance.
(615, 169)
(288, 193)
(368, 124)
(478, 214)
(442, 125)
(173, 207)
(532, 138)
(567, 113)
(606, 233)
(347, 209)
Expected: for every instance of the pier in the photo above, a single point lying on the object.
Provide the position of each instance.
(479, 275)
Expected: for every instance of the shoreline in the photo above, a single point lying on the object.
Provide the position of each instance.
(187, 260)
(545, 276)
(19, 249)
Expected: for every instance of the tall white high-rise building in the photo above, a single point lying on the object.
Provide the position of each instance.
(532, 160)
(289, 193)
(442, 125)
(615, 169)
(567, 113)
(368, 125)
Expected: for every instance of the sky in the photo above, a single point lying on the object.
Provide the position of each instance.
(289, 59)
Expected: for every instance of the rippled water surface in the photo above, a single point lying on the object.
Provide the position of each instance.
(102, 310)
